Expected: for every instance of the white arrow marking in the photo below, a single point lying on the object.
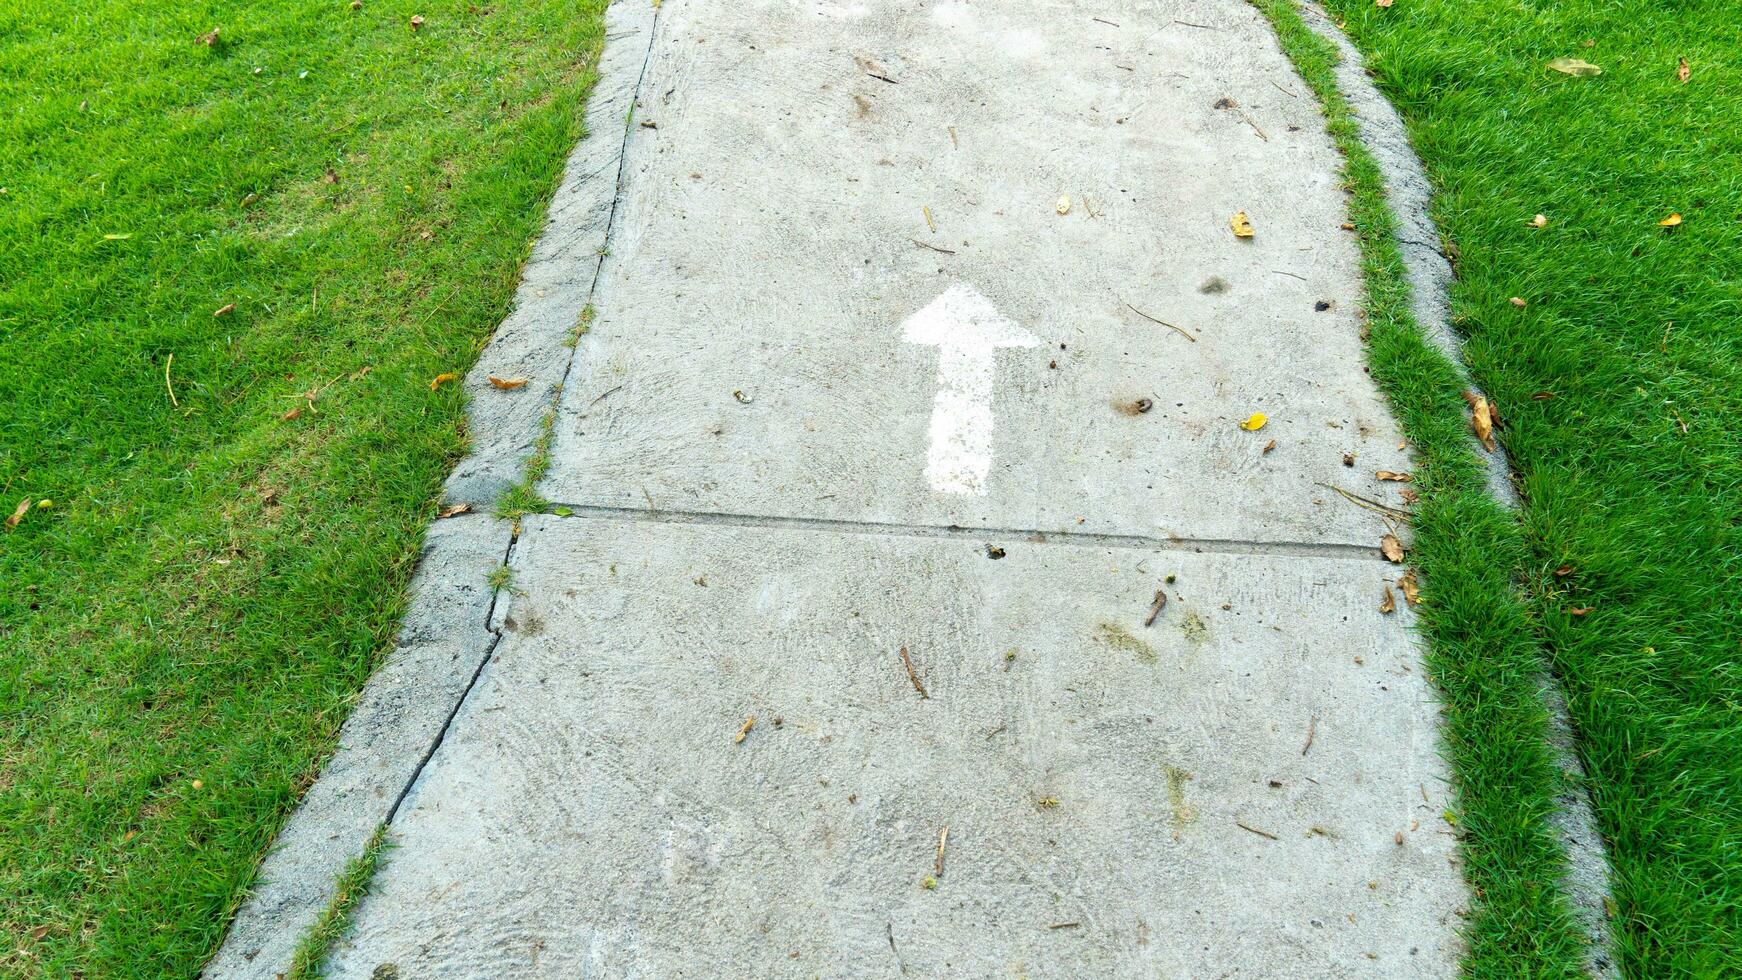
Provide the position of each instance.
(967, 331)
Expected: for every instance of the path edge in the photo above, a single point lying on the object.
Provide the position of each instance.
(450, 629)
(1429, 275)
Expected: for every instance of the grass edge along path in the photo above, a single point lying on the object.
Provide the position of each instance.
(335, 919)
(224, 563)
(1482, 649)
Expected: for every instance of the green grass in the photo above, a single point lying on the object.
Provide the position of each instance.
(1618, 385)
(335, 919)
(183, 630)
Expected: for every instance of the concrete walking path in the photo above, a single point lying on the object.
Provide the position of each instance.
(921, 355)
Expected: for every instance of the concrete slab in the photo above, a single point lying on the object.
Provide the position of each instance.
(1121, 800)
(749, 354)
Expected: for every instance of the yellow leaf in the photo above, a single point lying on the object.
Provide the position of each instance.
(1481, 419)
(1256, 422)
(1671, 221)
(507, 384)
(1391, 548)
(1241, 226)
(44, 504)
(1394, 477)
(118, 238)
(1411, 590)
(1540, 221)
(1574, 66)
(442, 379)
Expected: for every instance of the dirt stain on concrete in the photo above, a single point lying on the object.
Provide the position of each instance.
(1196, 631)
(1116, 637)
(1183, 812)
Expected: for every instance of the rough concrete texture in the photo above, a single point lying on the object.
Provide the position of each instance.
(749, 357)
(1410, 196)
(388, 737)
(535, 341)
(591, 812)
(749, 447)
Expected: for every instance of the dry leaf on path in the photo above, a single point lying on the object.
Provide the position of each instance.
(1576, 67)
(1682, 71)
(507, 384)
(1064, 204)
(1671, 221)
(1267, 448)
(1409, 496)
(442, 379)
(1391, 548)
(1255, 422)
(1411, 591)
(1389, 603)
(451, 510)
(1241, 225)
(18, 515)
(1393, 477)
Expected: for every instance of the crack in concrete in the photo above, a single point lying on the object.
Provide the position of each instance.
(1211, 546)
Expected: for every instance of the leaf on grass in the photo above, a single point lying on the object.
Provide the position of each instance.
(1391, 548)
(1671, 221)
(1389, 603)
(294, 413)
(209, 39)
(1381, 3)
(1518, 301)
(1393, 477)
(39, 933)
(1411, 591)
(18, 515)
(1481, 419)
(118, 237)
(1409, 496)
(416, 21)
(1540, 221)
(442, 379)
(507, 384)
(1682, 71)
(1241, 225)
(1576, 67)
(451, 510)
(226, 308)
(1579, 610)
(1255, 422)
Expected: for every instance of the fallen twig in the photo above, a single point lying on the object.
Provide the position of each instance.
(1206, 27)
(1064, 925)
(1312, 727)
(1284, 91)
(1179, 330)
(749, 723)
(1372, 505)
(1282, 273)
(907, 662)
(935, 248)
(943, 838)
(1103, 20)
(1262, 833)
(1155, 607)
(1253, 123)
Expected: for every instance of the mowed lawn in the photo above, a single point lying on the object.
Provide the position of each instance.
(1619, 384)
(228, 273)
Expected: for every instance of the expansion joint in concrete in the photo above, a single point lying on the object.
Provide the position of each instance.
(991, 535)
